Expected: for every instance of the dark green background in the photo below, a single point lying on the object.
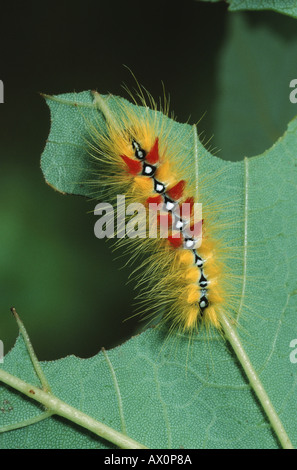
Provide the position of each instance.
(67, 285)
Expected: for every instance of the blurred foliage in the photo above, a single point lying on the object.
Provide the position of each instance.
(256, 64)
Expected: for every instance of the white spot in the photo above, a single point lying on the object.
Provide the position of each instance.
(148, 170)
(189, 243)
(159, 187)
(179, 224)
(169, 205)
(136, 145)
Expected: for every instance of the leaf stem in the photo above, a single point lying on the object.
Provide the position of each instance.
(117, 388)
(61, 408)
(30, 349)
(254, 380)
(27, 422)
(101, 103)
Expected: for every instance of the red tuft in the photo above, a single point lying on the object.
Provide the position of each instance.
(153, 155)
(186, 208)
(134, 167)
(190, 200)
(196, 229)
(154, 200)
(177, 190)
(175, 241)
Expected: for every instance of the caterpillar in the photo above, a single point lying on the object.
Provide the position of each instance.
(141, 156)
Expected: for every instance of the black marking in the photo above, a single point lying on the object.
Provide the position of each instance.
(198, 261)
(203, 303)
(159, 187)
(169, 203)
(148, 170)
(179, 224)
(203, 281)
(139, 152)
(135, 145)
(189, 243)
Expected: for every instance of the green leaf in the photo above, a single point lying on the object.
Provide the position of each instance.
(67, 144)
(165, 404)
(287, 7)
(175, 395)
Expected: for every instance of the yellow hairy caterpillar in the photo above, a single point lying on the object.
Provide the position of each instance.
(185, 272)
